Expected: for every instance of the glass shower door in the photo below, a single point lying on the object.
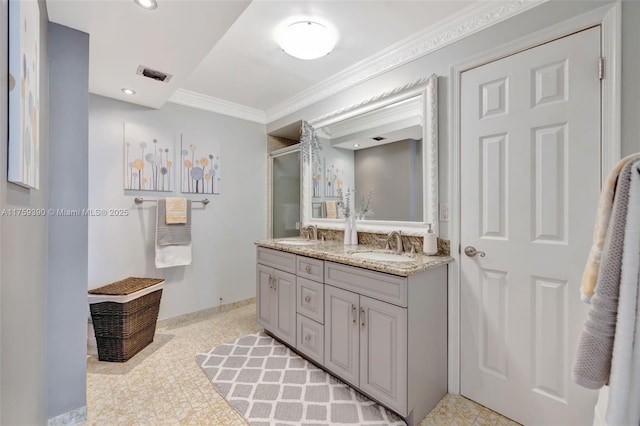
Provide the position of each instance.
(286, 194)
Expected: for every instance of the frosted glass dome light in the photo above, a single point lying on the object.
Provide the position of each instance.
(307, 40)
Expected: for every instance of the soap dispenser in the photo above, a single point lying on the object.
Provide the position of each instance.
(430, 243)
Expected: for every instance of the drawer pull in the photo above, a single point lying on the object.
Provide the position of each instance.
(307, 299)
(307, 338)
(308, 269)
(353, 313)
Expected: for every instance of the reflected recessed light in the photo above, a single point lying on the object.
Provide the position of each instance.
(128, 91)
(147, 4)
(307, 40)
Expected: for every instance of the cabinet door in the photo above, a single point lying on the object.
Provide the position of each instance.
(383, 353)
(265, 299)
(285, 317)
(341, 338)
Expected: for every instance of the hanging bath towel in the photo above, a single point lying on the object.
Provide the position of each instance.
(624, 382)
(177, 233)
(170, 255)
(605, 204)
(595, 347)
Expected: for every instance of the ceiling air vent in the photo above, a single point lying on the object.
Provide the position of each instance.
(378, 138)
(153, 74)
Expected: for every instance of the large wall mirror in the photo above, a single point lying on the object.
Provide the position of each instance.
(385, 146)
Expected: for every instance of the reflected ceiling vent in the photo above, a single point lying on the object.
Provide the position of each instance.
(378, 138)
(153, 74)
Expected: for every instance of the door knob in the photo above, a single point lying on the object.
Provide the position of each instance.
(471, 252)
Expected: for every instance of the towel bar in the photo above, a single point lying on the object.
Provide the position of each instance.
(140, 200)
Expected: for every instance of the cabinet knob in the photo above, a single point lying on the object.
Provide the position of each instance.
(308, 269)
(307, 299)
(307, 338)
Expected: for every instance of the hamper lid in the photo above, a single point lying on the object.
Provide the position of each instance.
(126, 286)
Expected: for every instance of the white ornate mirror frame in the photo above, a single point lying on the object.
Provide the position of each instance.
(427, 88)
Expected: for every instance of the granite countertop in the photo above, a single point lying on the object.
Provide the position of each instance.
(336, 251)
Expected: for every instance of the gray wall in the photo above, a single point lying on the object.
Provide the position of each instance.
(440, 61)
(393, 172)
(222, 233)
(23, 264)
(68, 235)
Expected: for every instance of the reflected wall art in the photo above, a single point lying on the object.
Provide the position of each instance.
(148, 158)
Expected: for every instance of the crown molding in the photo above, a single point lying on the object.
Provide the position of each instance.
(468, 21)
(220, 106)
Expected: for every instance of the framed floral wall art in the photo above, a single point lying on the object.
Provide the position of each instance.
(24, 93)
(200, 163)
(148, 158)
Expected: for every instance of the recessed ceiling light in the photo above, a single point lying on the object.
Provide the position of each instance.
(355, 145)
(147, 4)
(128, 91)
(307, 40)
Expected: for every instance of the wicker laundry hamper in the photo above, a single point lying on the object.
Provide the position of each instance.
(124, 316)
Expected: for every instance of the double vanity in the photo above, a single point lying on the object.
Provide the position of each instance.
(375, 319)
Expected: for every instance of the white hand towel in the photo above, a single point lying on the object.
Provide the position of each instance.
(171, 255)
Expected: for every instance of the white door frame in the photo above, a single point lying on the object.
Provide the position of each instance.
(609, 17)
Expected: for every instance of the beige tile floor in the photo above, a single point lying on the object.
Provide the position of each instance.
(163, 385)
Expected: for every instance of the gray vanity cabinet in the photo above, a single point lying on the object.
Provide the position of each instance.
(366, 345)
(341, 333)
(384, 334)
(383, 352)
(276, 294)
(310, 274)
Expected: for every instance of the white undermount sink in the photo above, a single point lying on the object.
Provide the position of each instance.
(385, 257)
(297, 242)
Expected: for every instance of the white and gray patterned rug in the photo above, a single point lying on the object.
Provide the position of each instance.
(268, 384)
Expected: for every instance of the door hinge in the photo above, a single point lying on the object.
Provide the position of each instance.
(601, 68)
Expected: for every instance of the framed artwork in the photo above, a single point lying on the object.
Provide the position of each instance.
(24, 93)
(200, 171)
(148, 158)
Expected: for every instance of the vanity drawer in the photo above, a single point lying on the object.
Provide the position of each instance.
(311, 339)
(378, 285)
(310, 299)
(277, 259)
(309, 268)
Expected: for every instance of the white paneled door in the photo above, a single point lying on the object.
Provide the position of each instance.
(530, 178)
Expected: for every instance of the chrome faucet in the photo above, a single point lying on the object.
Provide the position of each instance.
(397, 235)
(311, 230)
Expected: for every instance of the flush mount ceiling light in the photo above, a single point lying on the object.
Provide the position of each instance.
(147, 4)
(128, 91)
(307, 40)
